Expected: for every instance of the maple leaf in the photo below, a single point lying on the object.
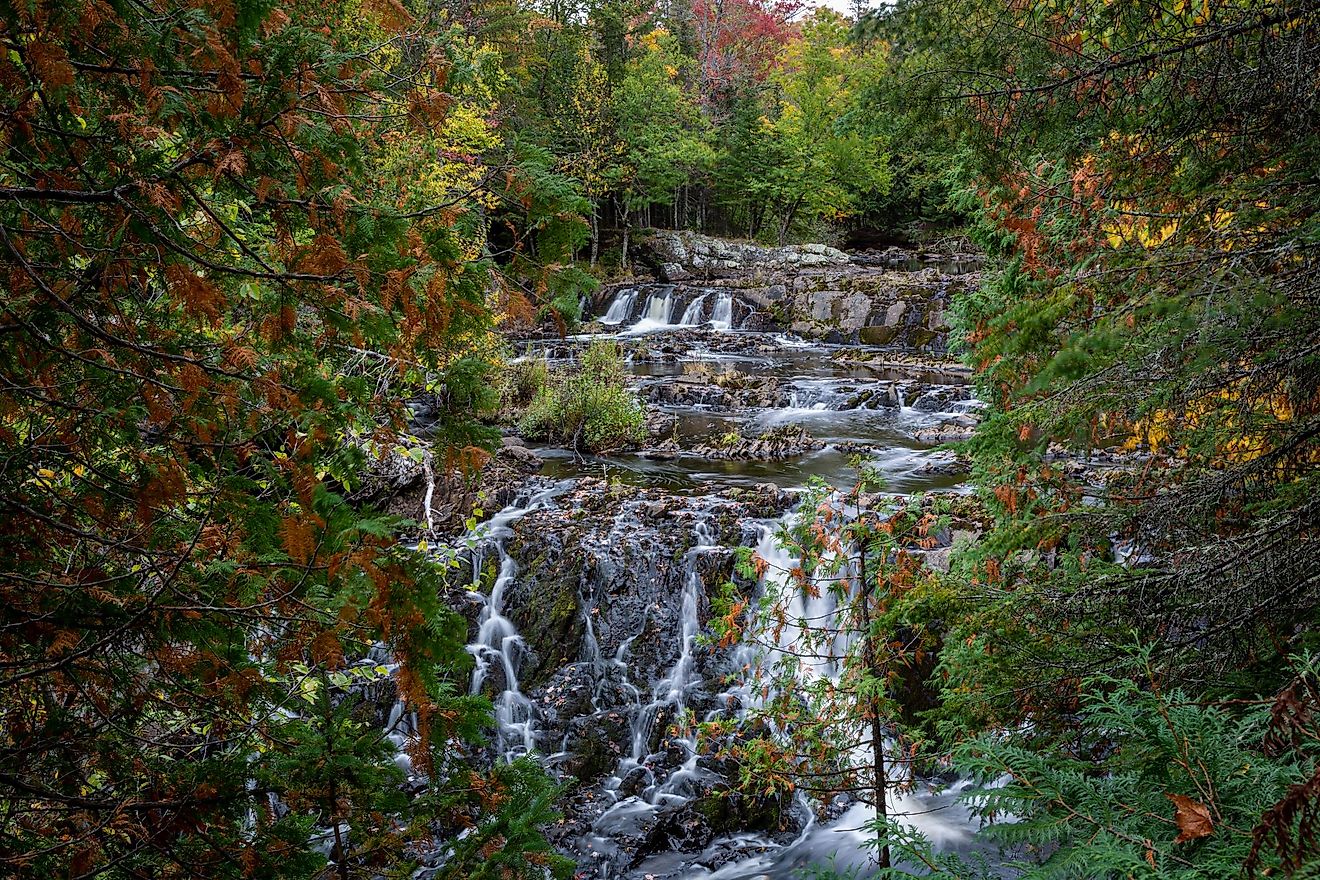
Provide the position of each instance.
(1192, 818)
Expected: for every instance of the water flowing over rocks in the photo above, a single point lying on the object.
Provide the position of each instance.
(891, 298)
(590, 592)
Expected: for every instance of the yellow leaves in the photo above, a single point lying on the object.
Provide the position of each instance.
(1150, 232)
(652, 42)
(1242, 424)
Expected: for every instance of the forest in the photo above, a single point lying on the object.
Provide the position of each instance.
(659, 439)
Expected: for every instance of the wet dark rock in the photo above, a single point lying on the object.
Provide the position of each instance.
(946, 464)
(954, 430)
(940, 398)
(660, 425)
(691, 827)
(635, 781)
(568, 694)
(594, 744)
(543, 604)
(597, 601)
(783, 442)
(727, 390)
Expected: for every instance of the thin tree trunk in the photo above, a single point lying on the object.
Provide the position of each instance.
(341, 848)
(623, 262)
(879, 779)
(595, 234)
(787, 223)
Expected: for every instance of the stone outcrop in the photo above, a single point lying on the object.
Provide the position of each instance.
(786, 441)
(686, 256)
(400, 480)
(819, 292)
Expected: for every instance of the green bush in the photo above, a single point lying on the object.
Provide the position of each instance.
(589, 407)
(522, 381)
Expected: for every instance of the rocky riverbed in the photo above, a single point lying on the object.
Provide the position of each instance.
(591, 589)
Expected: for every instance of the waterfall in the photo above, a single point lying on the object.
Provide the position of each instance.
(657, 311)
(498, 641)
(692, 314)
(937, 813)
(621, 308)
(659, 308)
(721, 318)
(669, 694)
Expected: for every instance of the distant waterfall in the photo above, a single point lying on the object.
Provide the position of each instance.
(722, 317)
(692, 314)
(621, 309)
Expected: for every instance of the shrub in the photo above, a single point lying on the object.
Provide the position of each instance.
(588, 407)
(522, 381)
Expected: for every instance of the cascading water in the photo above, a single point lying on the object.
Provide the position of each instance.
(668, 705)
(937, 813)
(621, 308)
(692, 314)
(659, 308)
(498, 641)
(721, 317)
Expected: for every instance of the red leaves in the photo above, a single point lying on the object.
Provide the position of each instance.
(298, 539)
(199, 296)
(1192, 818)
(325, 256)
(427, 108)
(391, 14)
(50, 63)
(740, 40)
(327, 649)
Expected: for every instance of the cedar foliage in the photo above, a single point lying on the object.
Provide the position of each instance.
(1143, 179)
(211, 308)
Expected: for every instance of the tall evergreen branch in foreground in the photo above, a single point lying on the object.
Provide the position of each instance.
(214, 303)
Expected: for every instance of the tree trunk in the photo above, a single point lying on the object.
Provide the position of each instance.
(595, 234)
(878, 783)
(623, 261)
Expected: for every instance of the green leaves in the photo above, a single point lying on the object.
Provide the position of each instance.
(587, 407)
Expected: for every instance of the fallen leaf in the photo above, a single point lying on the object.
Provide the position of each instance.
(1192, 818)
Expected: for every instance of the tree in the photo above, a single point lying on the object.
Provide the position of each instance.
(661, 129)
(214, 310)
(792, 155)
(835, 640)
(1136, 175)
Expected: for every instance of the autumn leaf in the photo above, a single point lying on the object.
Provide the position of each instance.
(1192, 818)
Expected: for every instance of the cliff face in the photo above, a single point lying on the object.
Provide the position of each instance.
(894, 297)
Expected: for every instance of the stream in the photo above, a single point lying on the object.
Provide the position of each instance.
(593, 587)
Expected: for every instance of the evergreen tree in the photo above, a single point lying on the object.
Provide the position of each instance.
(215, 305)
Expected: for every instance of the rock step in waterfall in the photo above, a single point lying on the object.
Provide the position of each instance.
(893, 298)
(650, 307)
(613, 589)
